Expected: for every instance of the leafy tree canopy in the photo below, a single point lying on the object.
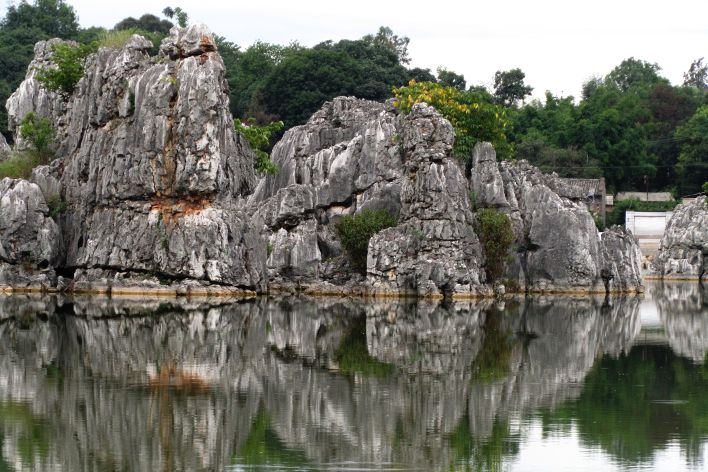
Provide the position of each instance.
(509, 87)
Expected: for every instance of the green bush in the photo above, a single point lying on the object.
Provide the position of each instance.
(18, 166)
(38, 132)
(56, 205)
(259, 139)
(494, 232)
(355, 232)
(705, 187)
(68, 68)
(617, 215)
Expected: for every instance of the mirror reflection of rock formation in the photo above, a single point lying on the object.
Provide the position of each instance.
(193, 385)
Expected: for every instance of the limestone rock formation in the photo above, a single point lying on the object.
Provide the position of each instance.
(683, 252)
(558, 247)
(434, 250)
(345, 159)
(151, 169)
(30, 241)
(4, 148)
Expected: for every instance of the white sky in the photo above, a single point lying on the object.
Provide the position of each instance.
(558, 44)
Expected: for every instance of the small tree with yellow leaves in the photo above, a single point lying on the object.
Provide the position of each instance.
(473, 117)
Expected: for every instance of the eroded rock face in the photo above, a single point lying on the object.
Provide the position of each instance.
(4, 148)
(151, 168)
(434, 250)
(557, 246)
(684, 246)
(30, 241)
(345, 159)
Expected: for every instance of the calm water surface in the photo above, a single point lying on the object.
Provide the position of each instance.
(306, 385)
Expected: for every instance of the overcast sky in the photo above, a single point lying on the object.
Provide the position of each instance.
(558, 44)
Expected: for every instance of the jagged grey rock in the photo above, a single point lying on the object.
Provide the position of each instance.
(684, 246)
(345, 159)
(152, 170)
(4, 148)
(557, 245)
(30, 241)
(433, 251)
(621, 259)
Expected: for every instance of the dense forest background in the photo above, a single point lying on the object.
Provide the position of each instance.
(631, 126)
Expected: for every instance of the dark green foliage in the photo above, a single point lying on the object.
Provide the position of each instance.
(147, 22)
(178, 14)
(355, 232)
(450, 79)
(705, 187)
(494, 232)
(53, 17)
(509, 87)
(421, 75)
(566, 162)
(692, 165)
(56, 205)
(309, 77)
(617, 215)
(633, 73)
(259, 138)
(39, 133)
(697, 75)
(69, 61)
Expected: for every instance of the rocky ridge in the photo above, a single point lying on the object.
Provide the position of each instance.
(158, 193)
(683, 252)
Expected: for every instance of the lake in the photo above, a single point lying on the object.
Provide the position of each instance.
(302, 384)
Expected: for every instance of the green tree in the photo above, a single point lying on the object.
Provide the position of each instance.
(697, 75)
(68, 68)
(449, 78)
(147, 22)
(473, 118)
(39, 133)
(309, 77)
(692, 166)
(355, 232)
(53, 17)
(634, 72)
(259, 137)
(386, 39)
(178, 14)
(509, 87)
(494, 231)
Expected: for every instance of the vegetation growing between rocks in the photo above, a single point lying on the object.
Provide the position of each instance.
(39, 133)
(469, 112)
(355, 232)
(494, 231)
(68, 68)
(259, 137)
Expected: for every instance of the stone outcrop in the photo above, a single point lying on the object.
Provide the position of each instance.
(345, 159)
(4, 148)
(155, 191)
(150, 168)
(683, 252)
(30, 241)
(434, 250)
(557, 245)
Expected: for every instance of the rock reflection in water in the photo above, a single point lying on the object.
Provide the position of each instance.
(682, 309)
(121, 384)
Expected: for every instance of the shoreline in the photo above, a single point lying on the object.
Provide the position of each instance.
(359, 293)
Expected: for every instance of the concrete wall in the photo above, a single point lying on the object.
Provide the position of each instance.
(648, 227)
